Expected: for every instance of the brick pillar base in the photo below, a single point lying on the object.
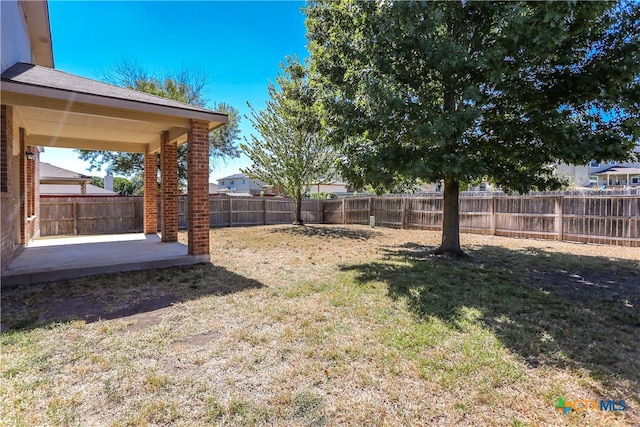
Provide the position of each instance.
(198, 188)
(150, 193)
(169, 174)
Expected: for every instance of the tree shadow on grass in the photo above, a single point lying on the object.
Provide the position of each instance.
(112, 296)
(553, 309)
(329, 232)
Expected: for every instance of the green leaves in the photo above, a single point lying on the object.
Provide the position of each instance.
(474, 89)
(290, 151)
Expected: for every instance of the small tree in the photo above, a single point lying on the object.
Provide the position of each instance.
(290, 152)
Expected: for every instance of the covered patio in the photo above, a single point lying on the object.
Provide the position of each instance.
(55, 259)
(44, 107)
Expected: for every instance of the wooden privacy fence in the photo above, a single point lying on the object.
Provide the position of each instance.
(605, 219)
(592, 218)
(90, 215)
(109, 215)
(228, 211)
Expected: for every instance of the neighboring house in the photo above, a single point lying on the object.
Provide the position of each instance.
(336, 187)
(44, 107)
(590, 175)
(243, 184)
(213, 189)
(240, 183)
(617, 176)
(56, 181)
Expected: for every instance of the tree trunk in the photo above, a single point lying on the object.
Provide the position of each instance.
(450, 245)
(298, 220)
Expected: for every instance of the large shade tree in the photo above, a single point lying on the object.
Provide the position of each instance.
(461, 90)
(290, 151)
(188, 86)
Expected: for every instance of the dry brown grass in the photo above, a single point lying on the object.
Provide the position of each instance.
(332, 325)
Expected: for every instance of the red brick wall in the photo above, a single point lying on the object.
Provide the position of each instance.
(169, 188)
(6, 174)
(33, 195)
(198, 188)
(23, 188)
(150, 193)
(6, 138)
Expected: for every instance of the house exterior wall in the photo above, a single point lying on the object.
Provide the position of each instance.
(6, 185)
(241, 185)
(576, 175)
(15, 43)
(328, 188)
(19, 192)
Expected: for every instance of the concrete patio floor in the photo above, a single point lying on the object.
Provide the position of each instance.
(53, 259)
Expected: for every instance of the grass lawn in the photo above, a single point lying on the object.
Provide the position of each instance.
(332, 325)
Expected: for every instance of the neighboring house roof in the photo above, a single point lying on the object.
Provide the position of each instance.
(58, 181)
(619, 170)
(50, 174)
(213, 188)
(339, 183)
(73, 190)
(235, 176)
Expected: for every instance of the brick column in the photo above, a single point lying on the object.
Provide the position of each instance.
(6, 147)
(31, 182)
(169, 197)
(22, 160)
(198, 188)
(150, 193)
(6, 186)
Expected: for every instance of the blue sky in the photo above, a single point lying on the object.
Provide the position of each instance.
(238, 44)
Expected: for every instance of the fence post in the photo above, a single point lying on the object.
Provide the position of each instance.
(230, 211)
(264, 210)
(344, 217)
(492, 218)
(403, 213)
(559, 212)
(370, 208)
(74, 213)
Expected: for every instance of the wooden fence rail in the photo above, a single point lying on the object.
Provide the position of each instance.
(592, 218)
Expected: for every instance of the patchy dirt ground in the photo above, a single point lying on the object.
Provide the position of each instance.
(572, 274)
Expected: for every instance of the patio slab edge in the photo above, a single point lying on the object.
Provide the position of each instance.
(10, 279)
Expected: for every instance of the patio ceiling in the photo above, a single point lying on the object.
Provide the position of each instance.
(62, 110)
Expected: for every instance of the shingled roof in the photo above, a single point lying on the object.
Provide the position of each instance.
(49, 171)
(44, 77)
